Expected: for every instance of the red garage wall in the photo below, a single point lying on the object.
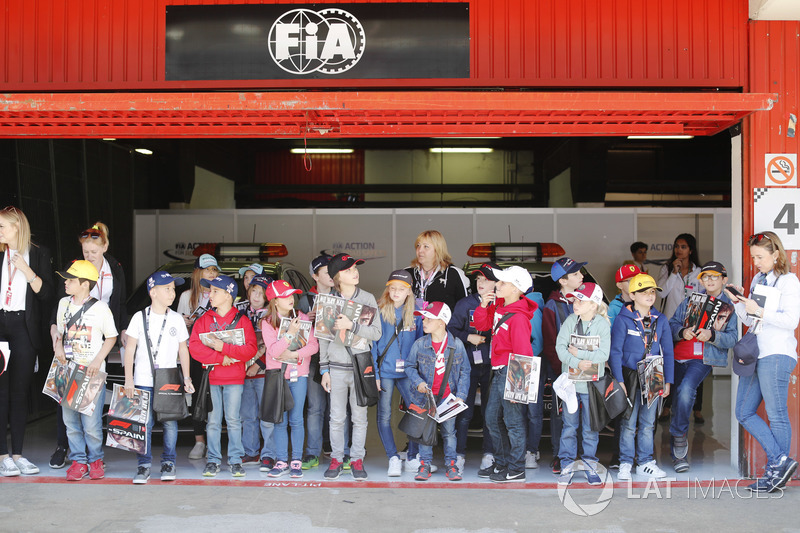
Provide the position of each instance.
(774, 59)
(94, 45)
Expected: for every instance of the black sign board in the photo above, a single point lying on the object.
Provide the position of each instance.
(317, 41)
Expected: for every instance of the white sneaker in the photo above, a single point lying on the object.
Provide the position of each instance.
(487, 461)
(532, 459)
(650, 469)
(624, 473)
(26, 467)
(460, 460)
(199, 450)
(9, 468)
(395, 467)
(412, 465)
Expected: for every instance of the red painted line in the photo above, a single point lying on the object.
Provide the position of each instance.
(370, 484)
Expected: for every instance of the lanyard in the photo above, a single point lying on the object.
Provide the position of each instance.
(648, 333)
(10, 276)
(579, 327)
(424, 283)
(440, 351)
(160, 333)
(78, 321)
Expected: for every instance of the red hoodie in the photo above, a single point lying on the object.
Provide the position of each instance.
(513, 335)
(223, 375)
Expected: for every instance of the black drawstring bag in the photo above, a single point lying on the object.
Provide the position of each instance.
(277, 398)
(204, 405)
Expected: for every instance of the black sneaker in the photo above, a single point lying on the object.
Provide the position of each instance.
(357, 470)
(680, 464)
(782, 472)
(424, 472)
(168, 472)
(267, 464)
(142, 475)
(59, 458)
(614, 464)
(556, 465)
(489, 471)
(334, 469)
(507, 476)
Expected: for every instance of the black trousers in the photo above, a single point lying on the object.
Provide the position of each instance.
(15, 383)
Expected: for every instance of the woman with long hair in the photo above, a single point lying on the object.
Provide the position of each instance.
(27, 289)
(679, 275)
(766, 377)
(435, 277)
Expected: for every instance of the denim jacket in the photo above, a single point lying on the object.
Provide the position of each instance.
(422, 361)
(715, 350)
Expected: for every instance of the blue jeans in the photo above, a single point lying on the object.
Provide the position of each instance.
(317, 417)
(85, 432)
(536, 417)
(769, 382)
(384, 414)
(170, 438)
(506, 422)
(479, 375)
(636, 435)
(227, 399)
(687, 377)
(568, 448)
(292, 418)
(252, 430)
(448, 430)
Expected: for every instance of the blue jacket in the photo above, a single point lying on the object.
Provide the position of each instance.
(460, 326)
(627, 344)
(399, 348)
(422, 361)
(615, 307)
(537, 341)
(715, 351)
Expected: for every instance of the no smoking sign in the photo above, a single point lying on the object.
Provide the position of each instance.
(781, 170)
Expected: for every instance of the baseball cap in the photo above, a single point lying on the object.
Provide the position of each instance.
(261, 281)
(341, 262)
(439, 310)
(80, 269)
(517, 276)
(588, 291)
(713, 267)
(488, 271)
(626, 272)
(205, 261)
(640, 282)
(281, 289)
(162, 277)
(255, 267)
(226, 283)
(402, 276)
(745, 355)
(317, 263)
(563, 267)
(565, 389)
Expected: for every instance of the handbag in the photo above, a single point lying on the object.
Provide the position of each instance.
(277, 398)
(203, 405)
(364, 381)
(417, 422)
(169, 402)
(631, 378)
(598, 415)
(614, 398)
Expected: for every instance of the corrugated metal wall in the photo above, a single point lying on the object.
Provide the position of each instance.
(774, 59)
(90, 45)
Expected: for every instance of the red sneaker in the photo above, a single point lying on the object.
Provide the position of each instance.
(97, 470)
(77, 471)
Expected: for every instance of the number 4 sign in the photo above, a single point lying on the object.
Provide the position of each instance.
(775, 209)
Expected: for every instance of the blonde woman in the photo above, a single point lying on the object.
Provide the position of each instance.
(435, 277)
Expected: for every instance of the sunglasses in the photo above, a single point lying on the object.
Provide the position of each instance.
(757, 238)
(94, 234)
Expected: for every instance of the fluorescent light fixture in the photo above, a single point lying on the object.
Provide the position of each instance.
(109, 138)
(454, 150)
(321, 150)
(144, 151)
(660, 136)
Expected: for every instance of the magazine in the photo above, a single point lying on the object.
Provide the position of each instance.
(136, 409)
(767, 297)
(200, 311)
(589, 343)
(55, 385)
(81, 391)
(522, 379)
(301, 339)
(706, 312)
(593, 374)
(360, 344)
(242, 305)
(449, 408)
(651, 378)
(228, 336)
(328, 308)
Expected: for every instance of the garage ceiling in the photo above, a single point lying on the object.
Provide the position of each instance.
(372, 114)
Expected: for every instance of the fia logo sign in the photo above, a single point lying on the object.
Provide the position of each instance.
(329, 41)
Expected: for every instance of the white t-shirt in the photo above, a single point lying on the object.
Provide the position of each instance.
(87, 334)
(183, 302)
(105, 284)
(15, 280)
(166, 353)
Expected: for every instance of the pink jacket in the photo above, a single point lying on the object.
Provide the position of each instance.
(276, 347)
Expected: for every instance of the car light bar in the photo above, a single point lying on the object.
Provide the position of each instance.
(225, 250)
(518, 251)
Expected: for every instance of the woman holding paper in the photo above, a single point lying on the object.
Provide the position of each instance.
(766, 377)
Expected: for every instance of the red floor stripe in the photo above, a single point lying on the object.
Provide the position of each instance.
(365, 484)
